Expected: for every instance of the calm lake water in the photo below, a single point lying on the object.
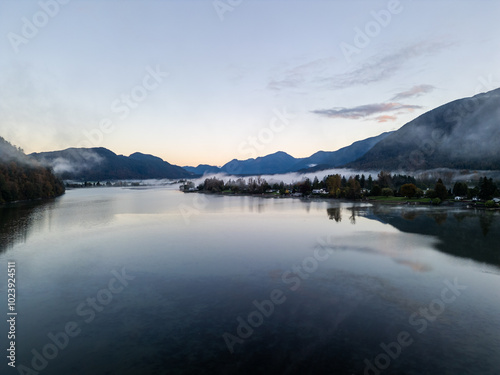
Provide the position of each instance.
(154, 281)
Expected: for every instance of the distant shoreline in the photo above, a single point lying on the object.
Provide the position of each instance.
(397, 201)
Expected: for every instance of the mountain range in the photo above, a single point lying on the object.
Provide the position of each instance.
(462, 134)
(281, 162)
(96, 164)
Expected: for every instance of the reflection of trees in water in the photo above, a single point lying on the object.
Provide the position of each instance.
(460, 216)
(469, 234)
(352, 218)
(256, 205)
(16, 222)
(409, 215)
(308, 206)
(356, 211)
(486, 219)
(439, 217)
(334, 213)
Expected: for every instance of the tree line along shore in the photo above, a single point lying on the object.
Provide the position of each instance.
(24, 179)
(20, 182)
(386, 187)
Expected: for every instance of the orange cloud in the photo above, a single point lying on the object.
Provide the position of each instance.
(386, 118)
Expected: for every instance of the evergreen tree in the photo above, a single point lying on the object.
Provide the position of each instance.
(362, 181)
(441, 191)
(460, 189)
(369, 182)
(315, 184)
(343, 182)
(486, 188)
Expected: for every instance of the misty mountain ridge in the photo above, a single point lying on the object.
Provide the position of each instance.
(9, 152)
(280, 162)
(462, 134)
(96, 164)
(202, 169)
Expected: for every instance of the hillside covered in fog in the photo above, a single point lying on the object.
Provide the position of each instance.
(463, 134)
(97, 164)
(22, 178)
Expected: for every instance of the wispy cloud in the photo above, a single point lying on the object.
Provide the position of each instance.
(367, 110)
(301, 74)
(386, 118)
(413, 92)
(383, 66)
(291, 81)
(324, 73)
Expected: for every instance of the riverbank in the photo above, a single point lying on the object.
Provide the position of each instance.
(27, 201)
(395, 201)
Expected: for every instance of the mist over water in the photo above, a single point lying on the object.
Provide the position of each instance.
(288, 178)
(448, 175)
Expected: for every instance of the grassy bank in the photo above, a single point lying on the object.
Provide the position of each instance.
(398, 199)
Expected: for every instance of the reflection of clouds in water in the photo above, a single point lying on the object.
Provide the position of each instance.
(275, 275)
(401, 250)
(414, 265)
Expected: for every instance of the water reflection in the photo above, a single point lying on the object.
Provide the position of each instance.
(192, 282)
(440, 217)
(352, 218)
(486, 221)
(334, 213)
(468, 234)
(414, 265)
(17, 221)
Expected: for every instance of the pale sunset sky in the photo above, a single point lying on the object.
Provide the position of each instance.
(208, 81)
